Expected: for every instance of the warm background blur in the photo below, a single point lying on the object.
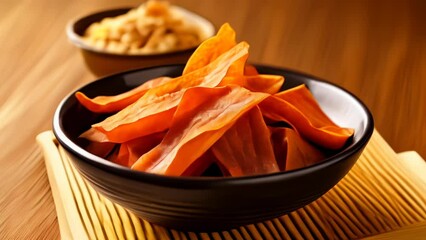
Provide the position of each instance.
(374, 48)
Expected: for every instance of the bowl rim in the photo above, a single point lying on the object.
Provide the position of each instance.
(210, 182)
(77, 40)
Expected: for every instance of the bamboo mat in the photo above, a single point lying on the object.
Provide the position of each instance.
(383, 193)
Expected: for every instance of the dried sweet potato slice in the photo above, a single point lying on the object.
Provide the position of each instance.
(121, 157)
(201, 118)
(237, 68)
(246, 148)
(292, 151)
(136, 120)
(132, 150)
(250, 70)
(256, 83)
(211, 48)
(200, 165)
(101, 149)
(109, 104)
(147, 115)
(264, 83)
(307, 119)
(301, 98)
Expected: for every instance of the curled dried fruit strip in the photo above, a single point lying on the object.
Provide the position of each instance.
(256, 83)
(250, 70)
(101, 149)
(109, 104)
(301, 98)
(246, 148)
(130, 151)
(136, 121)
(306, 117)
(264, 83)
(211, 48)
(202, 117)
(292, 151)
(200, 165)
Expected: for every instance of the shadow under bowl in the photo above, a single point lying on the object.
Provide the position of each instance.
(103, 63)
(212, 203)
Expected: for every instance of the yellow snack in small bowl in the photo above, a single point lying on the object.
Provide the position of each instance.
(153, 27)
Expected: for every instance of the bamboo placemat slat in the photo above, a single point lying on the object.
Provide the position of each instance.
(380, 194)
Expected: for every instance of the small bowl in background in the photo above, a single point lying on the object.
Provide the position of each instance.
(102, 62)
(211, 203)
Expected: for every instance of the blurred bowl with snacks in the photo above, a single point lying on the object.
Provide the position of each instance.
(154, 33)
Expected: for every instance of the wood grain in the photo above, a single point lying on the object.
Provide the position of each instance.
(374, 48)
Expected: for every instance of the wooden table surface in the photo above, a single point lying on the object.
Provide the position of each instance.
(374, 48)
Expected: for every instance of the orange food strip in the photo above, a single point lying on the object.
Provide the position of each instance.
(301, 98)
(121, 157)
(256, 83)
(246, 148)
(109, 104)
(202, 117)
(307, 118)
(100, 149)
(132, 150)
(211, 48)
(136, 120)
(264, 83)
(237, 68)
(250, 70)
(95, 135)
(200, 165)
(150, 113)
(292, 151)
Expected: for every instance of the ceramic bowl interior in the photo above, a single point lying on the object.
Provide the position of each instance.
(102, 63)
(212, 203)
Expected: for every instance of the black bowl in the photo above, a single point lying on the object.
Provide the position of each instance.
(212, 203)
